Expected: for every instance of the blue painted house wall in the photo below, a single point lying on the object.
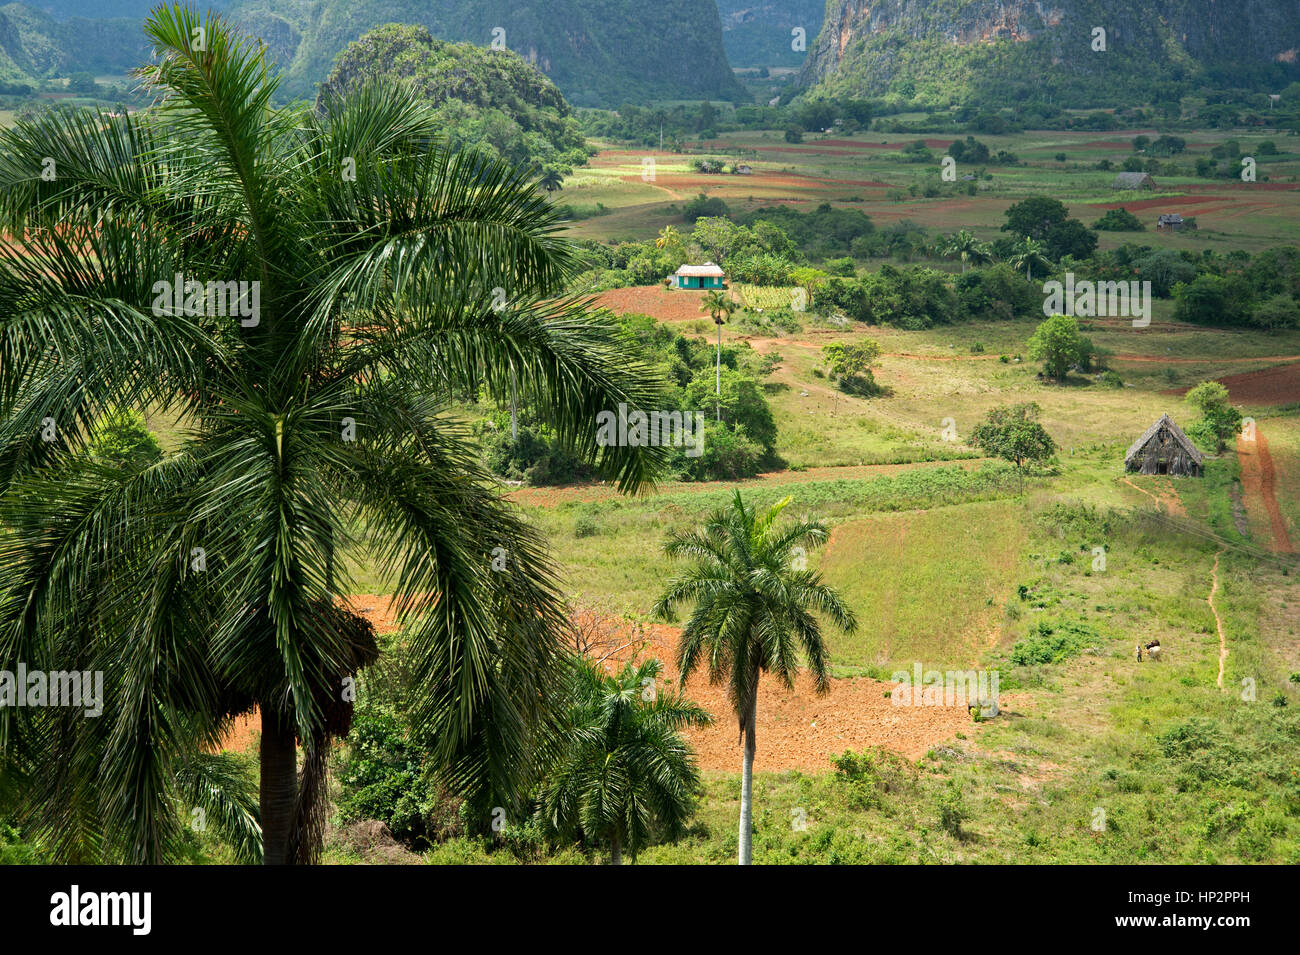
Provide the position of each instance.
(698, 281)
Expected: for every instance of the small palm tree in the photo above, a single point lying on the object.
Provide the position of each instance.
(624, 774)
(719, 307)
(965, 245)
(1029, 254)
(551, 179)
(754, 603)
(669, 238)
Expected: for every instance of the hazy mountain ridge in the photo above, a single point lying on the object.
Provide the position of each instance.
(759, 32)
(34, 44)
(599, 52)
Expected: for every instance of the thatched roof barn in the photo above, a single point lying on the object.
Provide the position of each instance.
(1164, 449)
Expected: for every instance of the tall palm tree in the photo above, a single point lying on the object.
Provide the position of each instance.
(624, 774)
(314, 429)
(965, 245)
(1029, 254)
(754, 605)
(719, 306)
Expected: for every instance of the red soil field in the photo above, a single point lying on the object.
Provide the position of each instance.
(799, 729)
(665, 304)
(1279, 385)
(796, 729)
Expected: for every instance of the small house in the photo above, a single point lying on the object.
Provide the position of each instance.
(1164, 449)
(743, 170)
(703, 276)
(1133, 180)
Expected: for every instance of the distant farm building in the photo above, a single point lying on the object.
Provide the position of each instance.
(1164, 449)
(707, 275)
(1133, 180)
(1173, 222)
(744, 170)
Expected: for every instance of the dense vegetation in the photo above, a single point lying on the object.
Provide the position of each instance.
(489, 99)
(1154, 51)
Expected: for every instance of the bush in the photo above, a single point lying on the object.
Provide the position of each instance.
(535, 458)
(1052, 642)
(1119, 220)
(952, 810)
(121, 439)
(383, 777)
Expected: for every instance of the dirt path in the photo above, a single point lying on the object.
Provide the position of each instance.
(1259, 490)
(1218, 621)
(1167, 497)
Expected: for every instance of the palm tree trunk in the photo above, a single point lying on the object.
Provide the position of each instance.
(279, 785)
(616, 851)
(747, 786)
(718, 403)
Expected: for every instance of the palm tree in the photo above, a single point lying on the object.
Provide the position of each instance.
(315, 438)
(551, 179)
(624, 774)
(753, 613)
(1028, 254)
(719, 307)
(669, 239)
(964, 244)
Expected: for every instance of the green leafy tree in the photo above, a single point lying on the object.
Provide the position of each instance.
(624, 774)
(1219, 419)
(1277, 313)
(121, 439)
(1059, 345)
(1012, 432)
(851, 364)
(1119, 220)
(207, 584)
(755, 611)
(1035, 217)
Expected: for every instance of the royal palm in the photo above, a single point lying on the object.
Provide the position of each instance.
(393, 276)
(755, 607)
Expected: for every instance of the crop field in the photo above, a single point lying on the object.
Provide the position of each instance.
(869, 172)
(954, 563)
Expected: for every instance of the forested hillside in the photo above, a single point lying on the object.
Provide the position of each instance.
(1003, 51)
(491, 99)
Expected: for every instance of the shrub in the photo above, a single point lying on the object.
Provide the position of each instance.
(1119, 220)
(121, 439)
(1052, 642)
